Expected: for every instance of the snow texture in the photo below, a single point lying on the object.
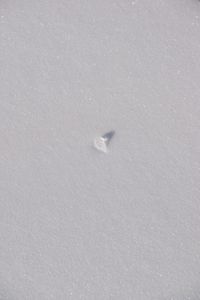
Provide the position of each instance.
(75, 224)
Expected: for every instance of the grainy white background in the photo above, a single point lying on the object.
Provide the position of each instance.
(76, 223)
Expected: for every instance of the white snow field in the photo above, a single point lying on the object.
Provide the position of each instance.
(77, 223)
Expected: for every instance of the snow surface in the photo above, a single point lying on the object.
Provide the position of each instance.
(75, 223)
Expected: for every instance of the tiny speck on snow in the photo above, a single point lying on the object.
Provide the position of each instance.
(101, 142)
